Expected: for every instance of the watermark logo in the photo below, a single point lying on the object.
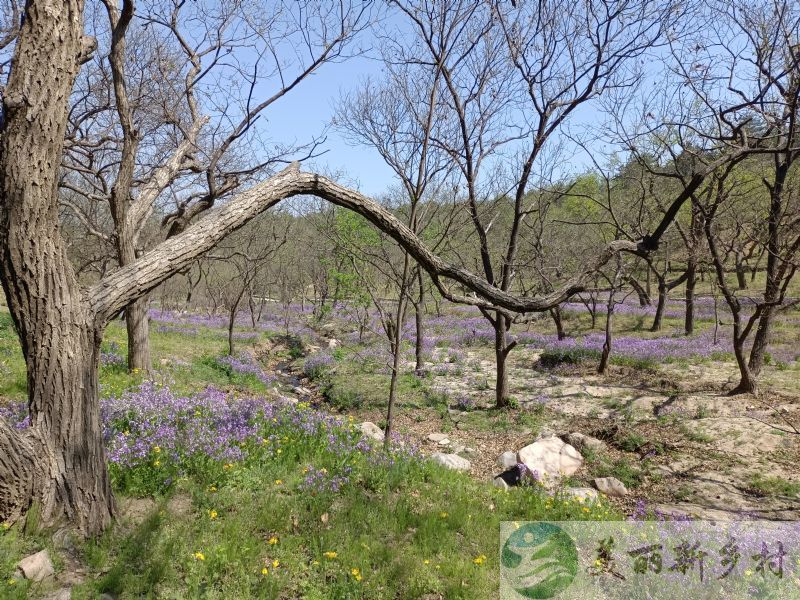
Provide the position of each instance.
(538, 560)
(649, 560)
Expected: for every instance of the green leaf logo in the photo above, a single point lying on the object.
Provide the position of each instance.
(539, 560)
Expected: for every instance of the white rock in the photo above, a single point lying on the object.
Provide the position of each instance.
(62, 594)
(371, 430)
(610, 486)
(551, 457)
(451, 461)
(445, 442)
(333, 343)
(583, 494)
(507, 459)
(437, 437)
(36, 567)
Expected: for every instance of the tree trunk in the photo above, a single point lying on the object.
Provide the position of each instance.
(761, 341)
(58, 462)
(609, 339)
(691, 280)
(556, 314)
(392, 389)
(741, 273)
(419, 317)
(644, 295)
(501, 350)
(747, 380)
(138, 325)
(662, 303)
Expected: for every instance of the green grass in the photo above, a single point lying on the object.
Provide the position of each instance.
(412, 529)
(773, 486)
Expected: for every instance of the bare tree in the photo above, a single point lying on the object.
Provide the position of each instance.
(151, 124)
(562, 56)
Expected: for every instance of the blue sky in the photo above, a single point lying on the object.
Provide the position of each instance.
(308, 109)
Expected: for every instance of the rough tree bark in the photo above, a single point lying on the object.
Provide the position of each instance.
(59, 461)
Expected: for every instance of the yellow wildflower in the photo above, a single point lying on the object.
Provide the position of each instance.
(156, 463)
(585, 509)
(356, 573)
(12, 581)
(199, 556)
(443, 515)
(280, 450)
(314, 562)
(156, 449)
(329, 554)
(426, 562)
(276, 563)
(265, 571)
(212, 488)
(5, 526)
(278, 481)
(212, 514)
(227, 466)
(478, 560)
(272, 541)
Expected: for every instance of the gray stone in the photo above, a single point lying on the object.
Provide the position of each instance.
(583, 494)
(458, 449)
(507, 459)
(62, 594)
(371, 431)
(610, 486)
(36, 567)
(582, 441)
(551, 458)
(451, 461)
(500, 483)
(468, 450)
(437, 437)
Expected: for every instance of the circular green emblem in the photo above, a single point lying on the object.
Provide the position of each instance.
(539, 560)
